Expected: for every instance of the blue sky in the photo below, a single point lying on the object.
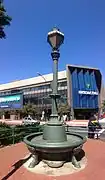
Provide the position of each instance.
(26, 51)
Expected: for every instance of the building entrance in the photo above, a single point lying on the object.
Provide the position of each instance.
(84, 114)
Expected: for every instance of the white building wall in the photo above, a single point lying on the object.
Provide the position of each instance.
(32, 81)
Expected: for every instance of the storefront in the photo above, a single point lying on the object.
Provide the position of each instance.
(84, 86)
(9, 103)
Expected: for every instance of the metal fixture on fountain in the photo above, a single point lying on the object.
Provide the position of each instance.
(54, 145)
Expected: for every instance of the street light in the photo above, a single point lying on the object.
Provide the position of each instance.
(55, 39)
(39, 74)
(54, 130)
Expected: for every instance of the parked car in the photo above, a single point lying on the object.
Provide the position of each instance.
(29, 120)
(102, 122)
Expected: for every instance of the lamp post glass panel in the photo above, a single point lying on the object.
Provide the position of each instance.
(55, 39)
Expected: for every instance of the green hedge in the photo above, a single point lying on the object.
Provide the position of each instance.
(4, 125)
(14, 134)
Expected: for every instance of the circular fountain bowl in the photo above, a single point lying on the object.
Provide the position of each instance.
(54, 151)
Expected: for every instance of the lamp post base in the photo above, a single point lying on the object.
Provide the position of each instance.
(75, 162)
(34, 161)
(53, 164)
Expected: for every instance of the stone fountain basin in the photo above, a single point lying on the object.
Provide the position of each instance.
(50, 150)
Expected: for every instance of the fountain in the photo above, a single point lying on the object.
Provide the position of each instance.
(54, 145)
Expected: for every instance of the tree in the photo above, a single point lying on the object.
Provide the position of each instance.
(28, 109)
(103, 106)
(64, 109)
(4, 20)
(2, 112)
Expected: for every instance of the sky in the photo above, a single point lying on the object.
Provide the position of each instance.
(25, 51)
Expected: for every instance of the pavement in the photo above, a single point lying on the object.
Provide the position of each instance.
(83, 123)
(12, 159)
(11, 122)
(70, 123)
(80, 123)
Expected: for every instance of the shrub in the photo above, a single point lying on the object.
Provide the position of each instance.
(15, 134)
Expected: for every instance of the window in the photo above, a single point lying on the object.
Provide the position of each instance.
(31, 89)
(47, 86)
(26, 90)
(60, 84)
(15, 91)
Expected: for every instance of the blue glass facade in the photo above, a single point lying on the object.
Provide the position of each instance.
(84, 88)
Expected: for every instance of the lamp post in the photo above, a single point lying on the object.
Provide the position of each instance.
(55, 39)
(54, 130)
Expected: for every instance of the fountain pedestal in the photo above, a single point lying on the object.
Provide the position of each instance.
(53, 153)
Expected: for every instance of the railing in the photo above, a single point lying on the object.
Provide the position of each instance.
(16, 134)
(85, 130)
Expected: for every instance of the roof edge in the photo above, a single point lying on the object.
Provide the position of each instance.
(84, 67)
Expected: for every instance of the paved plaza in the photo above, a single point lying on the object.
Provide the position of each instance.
(12, 159)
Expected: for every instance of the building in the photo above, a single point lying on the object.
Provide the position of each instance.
(77, 85)
(84, 90)
(102, 98)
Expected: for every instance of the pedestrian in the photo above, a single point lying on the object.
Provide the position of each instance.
(93, 125)
(43, 116)
(65, 117)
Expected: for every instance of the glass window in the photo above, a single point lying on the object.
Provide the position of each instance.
(26, 90)
(47, 86)
(32, 89)
(35, 88)
(47, 100)
(6, 92)
(40, 87)
(60, 84)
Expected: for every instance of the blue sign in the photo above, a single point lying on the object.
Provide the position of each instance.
(11, 101)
